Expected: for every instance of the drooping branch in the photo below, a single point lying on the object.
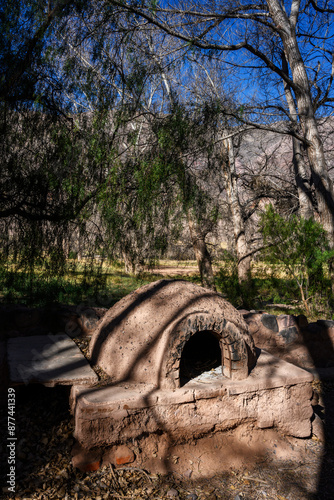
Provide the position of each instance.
(28, 51)
(198, 41)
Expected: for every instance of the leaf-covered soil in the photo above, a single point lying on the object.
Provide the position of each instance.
(43, 467)
(44, 471)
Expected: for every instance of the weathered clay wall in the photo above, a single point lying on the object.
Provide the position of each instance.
(142, 337)
(292, 338)
(276, 394)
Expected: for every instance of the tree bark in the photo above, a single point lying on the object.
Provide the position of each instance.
(202, 254)
(314, 147)
(279, 22)
(303, 186)
(241, 246)
(129, 265)
(300, 169)
(132, 264)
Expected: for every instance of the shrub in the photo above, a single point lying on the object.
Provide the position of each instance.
(300, 246)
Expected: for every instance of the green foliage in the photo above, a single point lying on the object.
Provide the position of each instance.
(227, 281)
(81, 283)
(50, 173)
(39, 289)
(300, 246)
(295, 258)
(144, 195)
(266, 288)
(83, 151)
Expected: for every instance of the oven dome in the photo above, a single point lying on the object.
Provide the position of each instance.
(163, 332)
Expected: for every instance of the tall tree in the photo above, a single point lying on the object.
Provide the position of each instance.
(299, 164)
(264, 31)
(209, 88)
(241, 244)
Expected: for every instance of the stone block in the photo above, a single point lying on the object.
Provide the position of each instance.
(286, 321)
(302, 321)
(88, 321)
(50, 360)
(289, 335)
(318, 428)
(270, 322)
(325, 323)
(85, 460)
(124, 455)
(265, 422)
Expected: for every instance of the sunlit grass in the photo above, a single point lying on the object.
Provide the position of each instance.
(99, 285)
(104, 285)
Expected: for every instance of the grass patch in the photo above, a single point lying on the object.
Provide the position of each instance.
(100, 286)
(103, 286)
(272, 291)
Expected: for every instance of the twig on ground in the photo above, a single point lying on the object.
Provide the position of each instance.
(137, 469)
(255, 479)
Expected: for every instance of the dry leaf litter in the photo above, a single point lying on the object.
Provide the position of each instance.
(44, 471)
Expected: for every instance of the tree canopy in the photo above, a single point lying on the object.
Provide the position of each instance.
(115, 114)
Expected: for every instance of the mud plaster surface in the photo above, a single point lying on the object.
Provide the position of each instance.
(141, 338)
(242, 448)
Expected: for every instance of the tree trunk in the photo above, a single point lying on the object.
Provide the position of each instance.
(129, 264)
(314, 146)
(241, 246)
(324, 188)
(202, 255)
(303, 186)
(300, 169)
(66, 248)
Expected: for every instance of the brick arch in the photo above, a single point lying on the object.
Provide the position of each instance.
(141, 338)
(237, 357)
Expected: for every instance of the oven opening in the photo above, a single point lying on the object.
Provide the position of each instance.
(200, 354)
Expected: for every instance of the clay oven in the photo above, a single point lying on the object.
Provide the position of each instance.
(168, 332)
(182, 364)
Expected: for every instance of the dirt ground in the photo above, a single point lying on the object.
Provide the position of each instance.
(244, 464)
(285, 468)
(179, 270)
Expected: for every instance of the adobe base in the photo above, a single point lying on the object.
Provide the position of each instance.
(276, 395)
